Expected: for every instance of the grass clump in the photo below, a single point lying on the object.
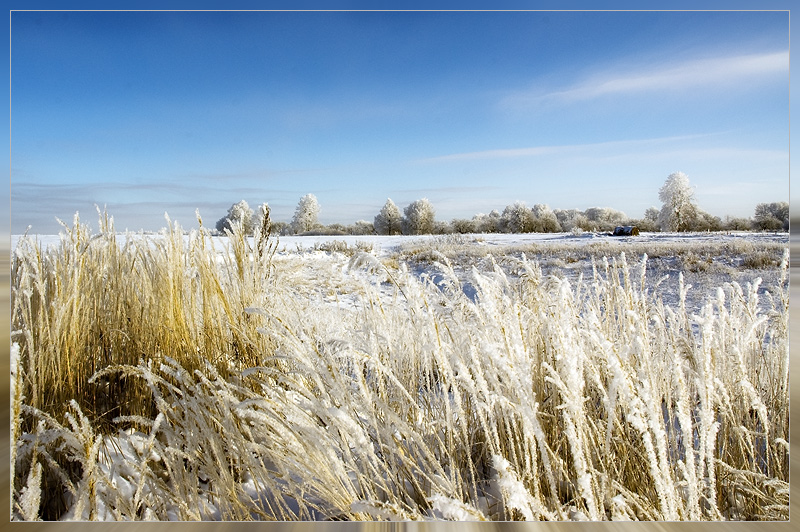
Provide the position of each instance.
(760, 260)
(98, 300)
(340, 246)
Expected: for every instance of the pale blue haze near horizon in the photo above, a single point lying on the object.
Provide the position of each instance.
(147, 112)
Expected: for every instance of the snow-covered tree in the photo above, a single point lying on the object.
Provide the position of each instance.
(603, 218)
(240, 213)
(704, 221)
(544, 219)
(440, 227)
(651, 214)
(733, 223)
(517, 218)
(487, 223)
(362, 227)
(678, 212)
(389, 221)
(419, 218)
(306, 214)
(568, 219)
(772, 216)
(462, 225)
(648, 223)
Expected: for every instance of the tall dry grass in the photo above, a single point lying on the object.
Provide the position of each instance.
(101, 299)
(160, 378)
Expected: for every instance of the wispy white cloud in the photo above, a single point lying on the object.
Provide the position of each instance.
(691, 74)
(440, 191)
(606, 147)
(498, 154)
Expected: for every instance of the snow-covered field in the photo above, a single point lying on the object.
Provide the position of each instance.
(706, 260)
(468, 377)
(387, 244)
(709, 259)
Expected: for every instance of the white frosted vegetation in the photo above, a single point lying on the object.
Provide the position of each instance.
(389, 221)
(187, 378)
(306, 214)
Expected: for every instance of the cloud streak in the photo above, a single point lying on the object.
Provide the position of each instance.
(693, 74)
(625, 145)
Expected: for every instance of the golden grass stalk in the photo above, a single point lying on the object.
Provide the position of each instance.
(233, 384)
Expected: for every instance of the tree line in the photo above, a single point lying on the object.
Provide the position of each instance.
(679, 213)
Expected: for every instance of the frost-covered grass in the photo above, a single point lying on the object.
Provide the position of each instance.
(184, 377)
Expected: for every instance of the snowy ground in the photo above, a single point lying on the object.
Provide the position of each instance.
(388, 244)
(706, 260)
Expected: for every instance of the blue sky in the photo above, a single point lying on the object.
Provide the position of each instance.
(147, 112)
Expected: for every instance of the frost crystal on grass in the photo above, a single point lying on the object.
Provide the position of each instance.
(31, 495)
(454, 510)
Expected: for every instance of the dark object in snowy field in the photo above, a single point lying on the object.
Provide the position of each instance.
(625, 230)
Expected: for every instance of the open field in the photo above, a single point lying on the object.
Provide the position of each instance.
(475, 377)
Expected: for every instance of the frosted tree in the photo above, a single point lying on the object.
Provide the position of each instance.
(649, 222)
(362, 227)
(419, 218)
(604, 218)
(736, 223)
(306, 214)
(462, 225)
(240, 213)
(772, 216)
(517, 218)
(487, 223)
(544, 219)
(569, 219)
(651, 214)
(389, 221)
(678, 212)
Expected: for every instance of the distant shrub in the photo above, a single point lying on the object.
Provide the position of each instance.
(603, 219)
(772, 216)
(281, 228)
(488, 223)
(517, 218)
(706, 222)
(737, 224)
(238, 213)
(568, 218)
(361, 227)
(332, 229)
(694, 262)
(645, 225)
(760, 260)
(340, 246)
(463, 226)
(544, 219)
